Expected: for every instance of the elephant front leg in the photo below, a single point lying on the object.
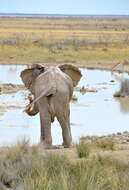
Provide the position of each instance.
(46, 137)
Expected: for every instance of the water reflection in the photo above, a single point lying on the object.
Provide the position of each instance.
(94, 113)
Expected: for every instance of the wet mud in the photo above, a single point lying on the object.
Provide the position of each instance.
(7, 88)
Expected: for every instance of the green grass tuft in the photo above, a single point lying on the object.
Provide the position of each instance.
(83, 149)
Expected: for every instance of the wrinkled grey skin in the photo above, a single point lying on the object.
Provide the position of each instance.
(124, 89)
(55, 85)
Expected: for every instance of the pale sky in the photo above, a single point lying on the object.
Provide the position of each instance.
(65, 6)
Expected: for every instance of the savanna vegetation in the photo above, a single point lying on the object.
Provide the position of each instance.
(84, 41)
(29, 168)
(92, 42)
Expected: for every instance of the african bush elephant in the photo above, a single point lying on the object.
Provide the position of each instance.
(52, 88)
(124, 86)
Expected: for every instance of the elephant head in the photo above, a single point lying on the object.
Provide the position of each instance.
(29, 75)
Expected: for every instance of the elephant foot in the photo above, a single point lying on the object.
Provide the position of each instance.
(57, 147)
(53, 147)
(47, 146)
(67, 145)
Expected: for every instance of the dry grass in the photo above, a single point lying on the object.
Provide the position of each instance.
(106, 144)
(102, 143)
(30, 168)
(82, 41)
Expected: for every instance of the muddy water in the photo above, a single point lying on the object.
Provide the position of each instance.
(95, 113)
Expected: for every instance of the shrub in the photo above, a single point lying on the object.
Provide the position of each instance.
(83, 149)
(106, 143)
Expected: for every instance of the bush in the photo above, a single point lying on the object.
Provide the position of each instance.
(83, 149)
(106, 143)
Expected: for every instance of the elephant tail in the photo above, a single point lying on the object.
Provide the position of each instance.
(47, 92)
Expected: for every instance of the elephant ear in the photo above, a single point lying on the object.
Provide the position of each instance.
(72, 71)
(29, 75)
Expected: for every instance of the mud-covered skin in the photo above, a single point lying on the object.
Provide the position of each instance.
(52, 87)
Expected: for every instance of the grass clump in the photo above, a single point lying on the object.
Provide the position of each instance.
(106, 143)
(83, 149)
(103, 142)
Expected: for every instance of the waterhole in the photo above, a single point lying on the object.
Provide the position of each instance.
(94, 110)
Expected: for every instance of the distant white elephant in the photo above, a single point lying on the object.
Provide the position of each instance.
(124, 86)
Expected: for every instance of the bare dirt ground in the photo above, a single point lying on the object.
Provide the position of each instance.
(121, 153)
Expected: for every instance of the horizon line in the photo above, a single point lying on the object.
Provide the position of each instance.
(62, 14)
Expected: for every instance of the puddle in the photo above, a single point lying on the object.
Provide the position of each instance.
(94, 113)
(11, 73)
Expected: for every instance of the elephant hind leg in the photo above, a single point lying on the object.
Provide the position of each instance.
(46, 137)
(67, 139)
(64, 121)
(45, 120)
